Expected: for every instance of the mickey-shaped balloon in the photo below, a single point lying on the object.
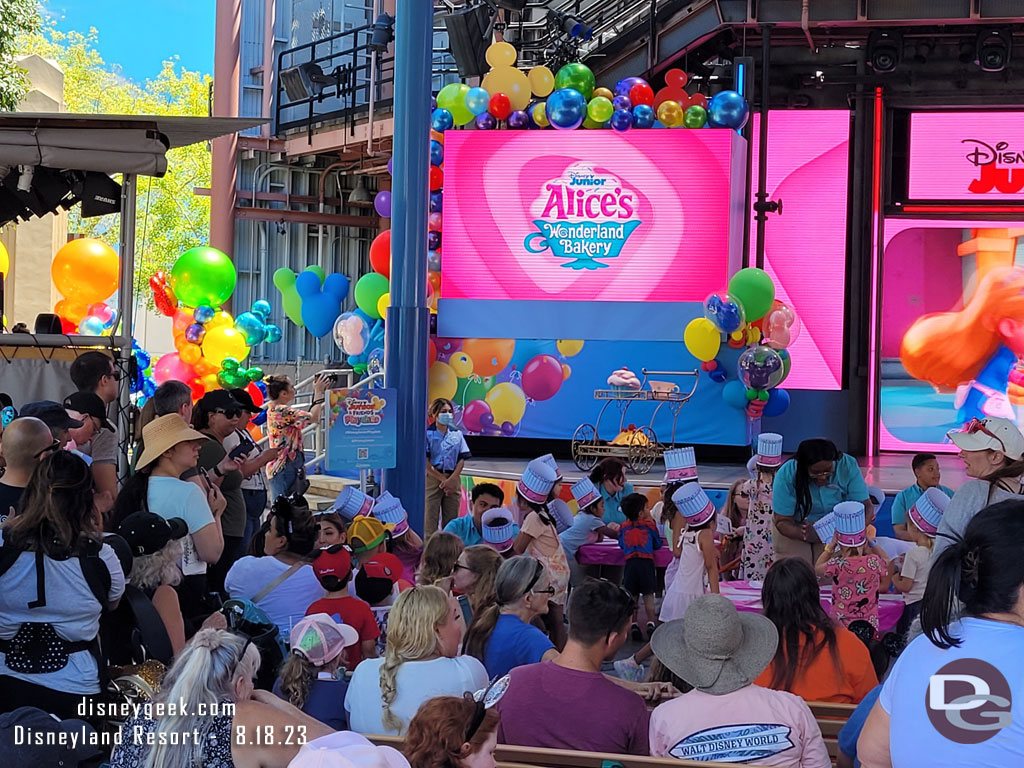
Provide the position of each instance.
(284, 281)
(725, 312)
(320, 308)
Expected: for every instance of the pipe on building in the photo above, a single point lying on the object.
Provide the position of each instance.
(226, 66)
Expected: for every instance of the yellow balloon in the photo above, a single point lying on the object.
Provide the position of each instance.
(210, 382)
(224, 341)
(383, 303)
(542, 82)
(441, 381)
(511, 82)
(462, 364)
(539, 113)
(500, 55)
(569, 347)
(508, 403)
(5, 261)
(702, 339)
(603, 92)
(670, 114)
(220, 320)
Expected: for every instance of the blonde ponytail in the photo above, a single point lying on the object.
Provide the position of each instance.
(297, 675)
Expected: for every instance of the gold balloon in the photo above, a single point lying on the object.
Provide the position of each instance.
(500, 55)
(603, 92)
(541, 81)
(670, 113)
(510, 81)
(539, 113)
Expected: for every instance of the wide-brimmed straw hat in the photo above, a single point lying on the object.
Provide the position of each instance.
(162, 434)
(714, 647)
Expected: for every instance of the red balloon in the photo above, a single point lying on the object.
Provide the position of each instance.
(641, 93)
(542, 377)
(473, 415)
(500, 106)
(380, 253)
(431, 351)
(436, 178)
(255, 394)
(674, 90)
(197, 387)
(699, 99)
(67, 327)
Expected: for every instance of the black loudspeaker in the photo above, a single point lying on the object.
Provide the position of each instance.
(100, 195)
(468, 39)
(47, 323)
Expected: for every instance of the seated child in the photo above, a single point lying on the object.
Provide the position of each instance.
(333, 568)
(587, 526)
(926, 470)
(638, 539)
(923, 520)
(378, 583)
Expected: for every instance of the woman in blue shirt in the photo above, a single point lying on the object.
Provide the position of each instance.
(806, 489)
(446, 453)
(610, 478)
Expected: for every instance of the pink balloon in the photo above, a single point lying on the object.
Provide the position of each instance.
(473, 413)
(542, 377)
(434, 222)
(172, 368)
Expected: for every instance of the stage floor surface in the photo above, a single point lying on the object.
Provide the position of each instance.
(890, 472)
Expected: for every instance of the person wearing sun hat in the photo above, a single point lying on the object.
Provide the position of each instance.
(726, 718)
(992, 450)
(313, 676)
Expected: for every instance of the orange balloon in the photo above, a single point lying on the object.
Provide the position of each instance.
(71, 310)
(204, 367)
(85, 270)
(183, 318)
(190, 353)
(489, 356)
(210, 382)
(434, 278)
(254, 432)
(437, 136)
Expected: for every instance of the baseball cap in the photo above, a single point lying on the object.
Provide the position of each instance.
(148, 533)
(320, 639)
(991, 433)
(75, 741)
(51, 414)
(245, 400)
(333, 561)
(218, 399)
(365, 533)
(90, 404)
(382, 566)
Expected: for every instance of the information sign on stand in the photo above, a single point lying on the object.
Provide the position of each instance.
(361, 429)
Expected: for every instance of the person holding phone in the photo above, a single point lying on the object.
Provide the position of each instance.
(285, 423)
(240, 445)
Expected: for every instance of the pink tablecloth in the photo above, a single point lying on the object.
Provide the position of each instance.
(748, 598)
(608, 553)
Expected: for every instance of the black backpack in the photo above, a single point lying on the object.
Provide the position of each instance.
(134, 632)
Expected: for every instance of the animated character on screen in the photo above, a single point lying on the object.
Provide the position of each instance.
(978, 350)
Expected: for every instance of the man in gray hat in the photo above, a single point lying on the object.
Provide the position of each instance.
(726, 718)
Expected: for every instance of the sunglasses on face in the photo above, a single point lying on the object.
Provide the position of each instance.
(229, 413)
(48, 449)
(461, 567)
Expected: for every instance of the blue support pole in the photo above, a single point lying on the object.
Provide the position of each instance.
(408, 317)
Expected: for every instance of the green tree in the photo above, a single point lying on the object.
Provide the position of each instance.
(17, 18)
(171, 217)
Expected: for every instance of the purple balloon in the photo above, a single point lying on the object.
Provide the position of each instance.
(434, 261)
(195, 333)
(622, 102)
(382, 204)
(519, 120)
(624, 85)
(391, 169)
(433, 323)
(435, 222)
(473, 416)
(433, 240)
(508, 429)
(436, 202)
(485, 121)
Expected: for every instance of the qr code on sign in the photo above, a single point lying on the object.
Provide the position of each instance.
(362, 453)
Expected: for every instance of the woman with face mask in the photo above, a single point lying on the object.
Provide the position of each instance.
(446, 453)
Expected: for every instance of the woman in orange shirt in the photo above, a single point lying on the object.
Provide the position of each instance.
(816, 659)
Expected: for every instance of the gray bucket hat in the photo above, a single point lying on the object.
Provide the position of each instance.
(714, 647)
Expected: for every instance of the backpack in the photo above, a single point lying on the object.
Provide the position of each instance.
(248, 619)
(134, 632)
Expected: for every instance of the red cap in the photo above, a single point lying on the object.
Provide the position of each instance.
(329, 563)
(383, 566)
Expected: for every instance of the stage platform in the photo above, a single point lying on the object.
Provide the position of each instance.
(891, 472)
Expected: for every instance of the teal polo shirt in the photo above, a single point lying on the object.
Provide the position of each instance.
(906, 498)
(846, 484)
(463, 528)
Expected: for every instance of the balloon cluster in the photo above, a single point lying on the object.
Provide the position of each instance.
(361, 338)
(141, 383)
(748, 315)
(85, 271)
(570, 99)
(209, 342)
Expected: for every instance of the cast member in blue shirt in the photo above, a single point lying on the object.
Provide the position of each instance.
(446, 453)
(926, 470)
(806, 489)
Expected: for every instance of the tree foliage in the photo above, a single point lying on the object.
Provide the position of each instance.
(17, 18)
(171, 218)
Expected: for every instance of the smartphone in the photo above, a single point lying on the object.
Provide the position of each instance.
(239, 451)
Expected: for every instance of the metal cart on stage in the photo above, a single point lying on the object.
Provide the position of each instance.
(640, 447)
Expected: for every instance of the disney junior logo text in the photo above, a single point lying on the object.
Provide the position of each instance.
(362, 413)
(992, 160)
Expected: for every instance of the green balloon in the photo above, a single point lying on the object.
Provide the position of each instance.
(254, 374)
(576, 76)
(754, 289)
(317, 270)
(600, 109)
(473, 388)
(369, 289)
(229, 365)
(453, 98)
(695, 116)
(203, 276)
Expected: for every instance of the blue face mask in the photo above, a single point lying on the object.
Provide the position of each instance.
(445, 418)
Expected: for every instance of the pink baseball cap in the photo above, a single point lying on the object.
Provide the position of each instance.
(320, 639)
(345, 749)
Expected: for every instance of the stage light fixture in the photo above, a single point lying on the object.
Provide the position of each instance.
(308, 79)
(383, 32)
(992, 50)
(884, 50)
(25, 179)
(571, 25)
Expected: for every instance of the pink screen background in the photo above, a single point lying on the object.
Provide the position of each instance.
(939, 168)
(680, 251)
(805, 247)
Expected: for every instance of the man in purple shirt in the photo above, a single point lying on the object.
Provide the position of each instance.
(567, 703)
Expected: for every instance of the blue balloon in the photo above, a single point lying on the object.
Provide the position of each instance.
(621, 121)
(728, 109)
(436, 202)
(436, 152)
(143, 359)
(566, 109)
(433, 240)
(252, 326)
(643, 116)
(274, 333)
(441, 120)
(718, 375)
(778, 402)
(477, 100)
(434, 261)
(735, 394)
(148, 387)
(262, 308)
(204, 314)
(659, 124)
(485, 121)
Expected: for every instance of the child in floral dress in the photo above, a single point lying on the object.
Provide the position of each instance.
(757, 555)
